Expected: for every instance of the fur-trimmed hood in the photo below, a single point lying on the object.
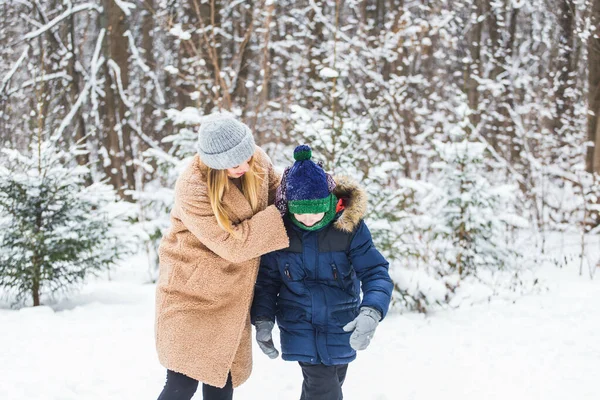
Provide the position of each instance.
(354, 198)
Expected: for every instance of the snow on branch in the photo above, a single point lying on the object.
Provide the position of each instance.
(325, 21)
(140, 62)
(518, 3)
(516, 174)
(45, 78)
(135, 52)
(94, 67)
(145, 138)
(45, 20)
(97, 61)
(125, 6)
(66, 14)
(22, 2)
(178, 32)
(30, 20)
(80, 101)
(12, 71)
(91, 83)
(117, 72)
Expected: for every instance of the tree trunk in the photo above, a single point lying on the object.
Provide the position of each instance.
(80, 133)
(315, 55)
(564, 70)
(593, 153)
(35, 290)
(474, 67)
(516, 142)
(240, 91)
(501, 50)
(188, 51)
(37, 258)
(265, 68)
(148, 90)
(117, 132)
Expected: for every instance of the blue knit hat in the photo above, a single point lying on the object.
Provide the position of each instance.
(307, 185)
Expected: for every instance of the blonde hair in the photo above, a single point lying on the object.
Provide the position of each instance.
(218, 182)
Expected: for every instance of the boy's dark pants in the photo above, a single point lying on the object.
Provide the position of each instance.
(182, 387)
(323, 382)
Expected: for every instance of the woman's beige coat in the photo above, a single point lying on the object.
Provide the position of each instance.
(207, 276)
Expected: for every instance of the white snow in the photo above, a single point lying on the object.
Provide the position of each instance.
(518, 3)
(171, 69)
(328, 73)
(125, 6)
(117, 74)
(187, 116)
(68, 12)
(178, 32)
(13, 69)
(100, 345)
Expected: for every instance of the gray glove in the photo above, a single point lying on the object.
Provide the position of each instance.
(364, 327)
(264, 338)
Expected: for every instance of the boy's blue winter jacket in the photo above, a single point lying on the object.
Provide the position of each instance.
(313, 287)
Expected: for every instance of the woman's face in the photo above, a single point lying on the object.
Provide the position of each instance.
(239, 170)
(309, 219)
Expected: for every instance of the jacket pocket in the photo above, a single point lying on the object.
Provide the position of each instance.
(343, 317)
(337, 275)
(293, 273)
(290, 313)
(345, 279)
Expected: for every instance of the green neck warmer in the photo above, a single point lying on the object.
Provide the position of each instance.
(327, 218)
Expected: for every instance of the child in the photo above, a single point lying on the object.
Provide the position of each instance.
(313, 286)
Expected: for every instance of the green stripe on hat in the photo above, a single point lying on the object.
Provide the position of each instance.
(313, 206)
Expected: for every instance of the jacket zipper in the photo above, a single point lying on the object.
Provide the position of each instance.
(287, 271)
(336, 276)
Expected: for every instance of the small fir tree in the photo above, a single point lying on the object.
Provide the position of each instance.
(472, 214)
(54, 231)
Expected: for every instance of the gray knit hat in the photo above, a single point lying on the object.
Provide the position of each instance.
(224, 142)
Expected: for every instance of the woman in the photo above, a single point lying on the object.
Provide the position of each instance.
(221, 223)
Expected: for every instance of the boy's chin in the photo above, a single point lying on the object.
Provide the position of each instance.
(311, 225)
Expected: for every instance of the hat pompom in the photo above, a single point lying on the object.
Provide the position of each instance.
(302, 153)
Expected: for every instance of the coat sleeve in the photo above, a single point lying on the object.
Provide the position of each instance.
(372, 270)
(261, 234)
(266, 290)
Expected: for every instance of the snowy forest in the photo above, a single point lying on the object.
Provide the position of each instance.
(472, 125)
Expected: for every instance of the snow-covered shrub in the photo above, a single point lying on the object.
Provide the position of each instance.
(472, 214)
(455, 230)
(55, 231)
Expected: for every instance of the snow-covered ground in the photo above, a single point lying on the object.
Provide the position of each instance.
(99, 346)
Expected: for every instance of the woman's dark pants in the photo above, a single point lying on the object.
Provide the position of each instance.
(182, 387)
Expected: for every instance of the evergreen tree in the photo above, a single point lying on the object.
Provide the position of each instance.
(54, 231)
(471, 213)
